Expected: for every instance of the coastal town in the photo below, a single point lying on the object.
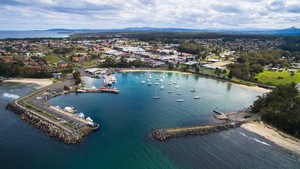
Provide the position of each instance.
(67, 60)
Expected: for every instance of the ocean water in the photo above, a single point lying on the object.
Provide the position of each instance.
(127, 118)
(31, 34)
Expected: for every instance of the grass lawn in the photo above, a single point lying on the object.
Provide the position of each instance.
(269, 77)
(52, 59)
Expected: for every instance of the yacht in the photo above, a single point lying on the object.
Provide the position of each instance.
(179, 100)
(162, 87)
(196, 97)
(156, 96)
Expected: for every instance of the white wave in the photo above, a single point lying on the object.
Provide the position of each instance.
(243, 134)
(261, 142)
(11, 96)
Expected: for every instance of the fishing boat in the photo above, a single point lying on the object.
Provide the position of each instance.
(156, 96)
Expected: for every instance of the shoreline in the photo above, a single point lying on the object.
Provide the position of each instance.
(274, 135)
(40, 82)
(153, 70)
(256, 88)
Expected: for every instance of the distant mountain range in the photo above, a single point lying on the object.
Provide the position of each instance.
(293, 31)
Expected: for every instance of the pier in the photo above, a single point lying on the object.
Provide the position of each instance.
(219, 112)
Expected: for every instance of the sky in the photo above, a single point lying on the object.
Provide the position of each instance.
(109, 14)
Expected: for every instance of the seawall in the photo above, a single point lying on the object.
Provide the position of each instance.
(165, 134)
(53, 130)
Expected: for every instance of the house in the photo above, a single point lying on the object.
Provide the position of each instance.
(191, 63)
(78, 59)
(56, 75)
(62, 64)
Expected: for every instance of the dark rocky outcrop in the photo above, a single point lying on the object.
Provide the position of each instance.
(164, 134)
(46, 126)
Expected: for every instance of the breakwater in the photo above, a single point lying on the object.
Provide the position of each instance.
(47, 126)
(165, 134)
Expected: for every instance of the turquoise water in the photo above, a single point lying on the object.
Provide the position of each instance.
(127, 118)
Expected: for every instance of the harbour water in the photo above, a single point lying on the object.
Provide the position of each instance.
(125, 122)
(32, 34)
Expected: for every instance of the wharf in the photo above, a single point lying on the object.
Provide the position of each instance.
(98, 90)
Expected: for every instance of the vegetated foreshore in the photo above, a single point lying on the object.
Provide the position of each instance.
(56, 123)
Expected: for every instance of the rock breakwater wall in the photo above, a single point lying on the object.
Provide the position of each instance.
(165, 134)
(53, 130)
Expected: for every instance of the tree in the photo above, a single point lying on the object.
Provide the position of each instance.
(170, 66)
(280, 108)
(230, 75)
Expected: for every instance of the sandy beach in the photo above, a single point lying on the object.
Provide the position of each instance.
(274, 135)
(256, 88)
(40, 82)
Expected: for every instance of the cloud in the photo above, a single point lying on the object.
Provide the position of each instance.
(98, 14)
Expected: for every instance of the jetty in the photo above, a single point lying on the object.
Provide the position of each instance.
(219, 112)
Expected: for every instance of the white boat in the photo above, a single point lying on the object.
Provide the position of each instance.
(196, 97)
(156, 83)
(156, 96)
(161, 87)
(161, 80)
(174, 82)
(169, 91)
(177, 87)
(149, 84)
(179, 100)
(178, 93)
(169, 83)
(193, 90)
(142, 81)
